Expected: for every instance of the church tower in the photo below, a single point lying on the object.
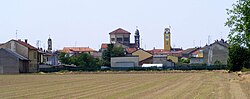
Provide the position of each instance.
(167, 40)
(137, 38)
(49, 44)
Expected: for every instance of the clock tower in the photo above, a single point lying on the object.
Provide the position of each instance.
(167, 40)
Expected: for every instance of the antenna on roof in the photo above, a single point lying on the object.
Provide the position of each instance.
(194, 43)
(136, 27)
(221, 35)
(209, 37)
(200, 43)
(16, 34)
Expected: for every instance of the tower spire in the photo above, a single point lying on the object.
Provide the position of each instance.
(137, 37)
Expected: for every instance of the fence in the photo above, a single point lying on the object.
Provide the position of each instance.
(213, 67)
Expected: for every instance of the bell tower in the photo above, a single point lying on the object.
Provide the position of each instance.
(167, 39)
(49, 44)
(137, 38)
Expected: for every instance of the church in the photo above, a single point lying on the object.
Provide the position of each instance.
(121, 38)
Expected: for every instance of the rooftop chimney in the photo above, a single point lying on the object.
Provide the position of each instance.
(26, 41)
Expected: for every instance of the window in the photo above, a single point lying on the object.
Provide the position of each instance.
(126, 39)
(167, 42)
(34, 55)
(112, 39)
(119, 39)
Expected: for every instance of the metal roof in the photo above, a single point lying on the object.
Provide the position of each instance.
(14, 54)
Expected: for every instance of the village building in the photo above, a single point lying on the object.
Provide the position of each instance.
(209, 54)
(145, 57)
(12, 62)
(26, 50)
(124, 62)
(77, 50)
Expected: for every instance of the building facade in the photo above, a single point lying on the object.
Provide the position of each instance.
(26, 50)
(12, 62)
(127, 61)
(167, 39)
(120, 36)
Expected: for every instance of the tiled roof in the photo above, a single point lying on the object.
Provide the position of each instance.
(26, 45)
(130, 50)
(104, 46)
(162, 51)
(77, 49)
(189, 50)
(119, 31)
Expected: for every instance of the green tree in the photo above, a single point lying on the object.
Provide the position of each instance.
(64, 58)
(111, 51)
(238, 58)
(82, 60)
(239, 35)
(239, 23)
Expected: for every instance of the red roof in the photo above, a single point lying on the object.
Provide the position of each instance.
(26, 45)
(77, 49)
(104, 46)
(119, 31)
(162, 51)
(130, 50)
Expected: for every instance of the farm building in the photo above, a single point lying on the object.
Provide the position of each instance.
(12, 62)
(127, 61)
(162, 59)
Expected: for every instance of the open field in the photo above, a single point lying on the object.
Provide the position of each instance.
(201, 85)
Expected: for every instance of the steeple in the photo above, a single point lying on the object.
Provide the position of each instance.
(137, 38)
(49, 44)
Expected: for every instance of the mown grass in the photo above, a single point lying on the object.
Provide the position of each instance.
(113, 86)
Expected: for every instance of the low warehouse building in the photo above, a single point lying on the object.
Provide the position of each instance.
(11, 62)
(127, 61)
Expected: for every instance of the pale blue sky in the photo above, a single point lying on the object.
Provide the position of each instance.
(88, 22)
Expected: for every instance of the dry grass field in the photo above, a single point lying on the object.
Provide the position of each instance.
(199, 85)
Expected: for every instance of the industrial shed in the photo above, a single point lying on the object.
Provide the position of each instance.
(127, 61)
(11, 62)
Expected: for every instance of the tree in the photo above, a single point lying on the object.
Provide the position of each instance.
(239, 23)
(82, 60)
(239, 35)
(111, 51)
(238, 58)
(64, 58)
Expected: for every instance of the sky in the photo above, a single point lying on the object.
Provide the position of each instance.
(87, 23)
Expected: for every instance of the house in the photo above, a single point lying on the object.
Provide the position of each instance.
(217, 51)
(162, 59)
(127, 61)
(77, 50)
(12, 62)
(176, 53)
(188, 52)
(173, 58)
(26, 50)
(209, 54)
(145, 57)
(196, 57)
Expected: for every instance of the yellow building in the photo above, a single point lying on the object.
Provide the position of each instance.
(144, 56)
(167, 40)
(173, 58)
